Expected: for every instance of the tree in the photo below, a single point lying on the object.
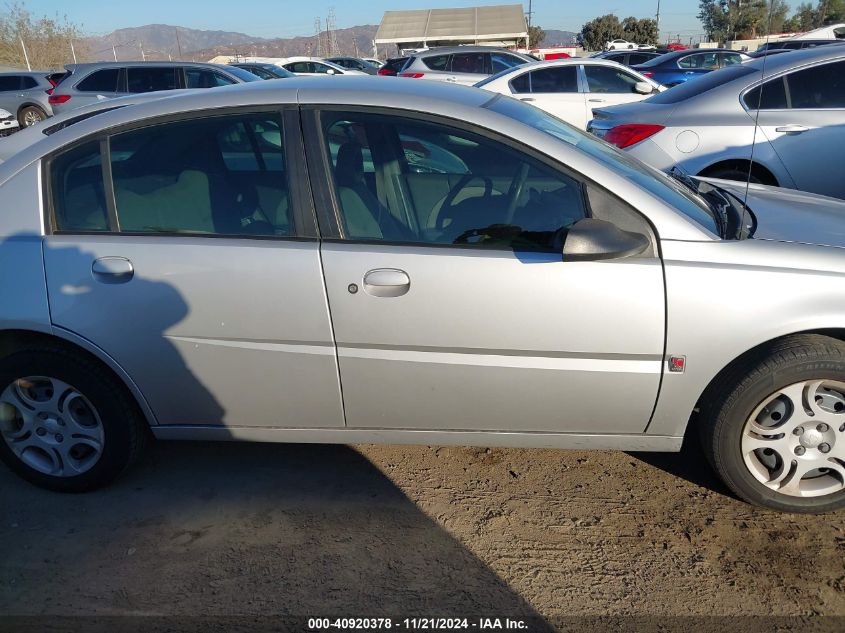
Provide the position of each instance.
(642, 31)
(734, 19)
(536, 35)
(595, 33)
(48, 40)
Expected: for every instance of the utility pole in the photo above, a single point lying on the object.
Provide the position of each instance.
(178, 45)
(72, 51)
(114, 52)
(318, 32)
(657, 20)
(25, 55)
(530, 13)
(141, 46)
(331, 27)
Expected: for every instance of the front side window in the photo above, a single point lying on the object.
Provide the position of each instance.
(819, 87)
(503, 61)
(105, 80)
(397, 179)
(606, 79)
(299, 67)
(322, 69)
(636, 58)
(702, 61)
(471, 63)
(203, 78)
(224, 175)
(729, 59)
(555, 80)
(145, 79)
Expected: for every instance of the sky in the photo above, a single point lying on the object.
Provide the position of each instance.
(287, 18)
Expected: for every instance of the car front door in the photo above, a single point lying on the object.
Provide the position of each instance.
(181, 251)
(555, 90)
(609, 86)
(697, 64)
(452, 306)
(803, 118)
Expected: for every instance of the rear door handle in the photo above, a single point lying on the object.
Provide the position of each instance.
(597, 100)
(387, 282)
(112, 270)
(792, 129)
(527, 99)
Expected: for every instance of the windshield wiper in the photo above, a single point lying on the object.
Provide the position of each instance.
(718, 207)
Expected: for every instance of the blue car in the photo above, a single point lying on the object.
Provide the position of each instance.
(678, 67)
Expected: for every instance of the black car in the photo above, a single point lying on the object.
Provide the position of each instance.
(264, 71)
(392, 66)
(353, 63)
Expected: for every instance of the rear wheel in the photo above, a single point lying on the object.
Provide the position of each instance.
(775, 431)
(31, 115)
(66, 423)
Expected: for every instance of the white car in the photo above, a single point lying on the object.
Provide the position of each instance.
(315, 67)
(8, 122)
(619, 45)
(570, 88)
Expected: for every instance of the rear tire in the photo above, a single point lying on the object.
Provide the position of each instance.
(774, 429)
(66, 422)
(30, 115)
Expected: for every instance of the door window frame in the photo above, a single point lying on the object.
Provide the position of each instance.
(303, 218)
(329, 213)
(780, 77)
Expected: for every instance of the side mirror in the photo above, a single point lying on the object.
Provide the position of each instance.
(591, 239)
(643, 87)
(330, 71)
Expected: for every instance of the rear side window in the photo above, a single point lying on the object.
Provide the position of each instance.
(105, 80)
(76, 179)
(521, 84)
(770, 96)
(471, 63)
(10, 82)
(563, 79)
(28, 82)
(636, 58)
(144, 79)
(702, 61)
(437, 62)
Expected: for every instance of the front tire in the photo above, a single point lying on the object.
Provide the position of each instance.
(66, 423)
(774, 430)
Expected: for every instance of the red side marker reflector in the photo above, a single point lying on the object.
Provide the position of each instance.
(677, 364)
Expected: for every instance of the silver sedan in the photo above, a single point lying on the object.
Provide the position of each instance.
(408, 262)
(778, 120)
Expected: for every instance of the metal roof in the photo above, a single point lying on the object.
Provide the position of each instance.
(505, 21)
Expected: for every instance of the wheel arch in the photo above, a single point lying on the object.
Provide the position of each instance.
(13, 340)
(756, 353)
(30, 104)
(763, 173)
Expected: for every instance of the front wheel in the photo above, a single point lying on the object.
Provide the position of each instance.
(775, 430)
(66, 423)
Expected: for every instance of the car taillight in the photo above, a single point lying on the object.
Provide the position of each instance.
(647, 73)
(384, 72)
(412, 75)
(50, 91)
(53, 99)
(630, 134)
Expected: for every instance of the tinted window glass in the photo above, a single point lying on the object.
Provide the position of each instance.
(260, 72)
(221, 175)
(299, 67)
(653, 180)
(502, 61)
(636, 58)
(437, 62)
(143, 79)
(100, 81)
(521, 84)
(322, 69)
(455, 187)
(822, 86)
(28, 82)
(702, 84)
(473, 63)
(563, 79)
(79, 200)
(201, 78)
(606, 79)
(10, 82)
(702, 61)
(770, 96)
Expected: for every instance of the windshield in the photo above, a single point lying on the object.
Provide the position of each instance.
(654, 181)
(702, 84)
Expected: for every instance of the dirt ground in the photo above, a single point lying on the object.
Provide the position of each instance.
(333, 530)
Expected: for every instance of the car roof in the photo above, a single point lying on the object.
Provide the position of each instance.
(75, 68)
(443, 50)
(775, 64)
(28, 73)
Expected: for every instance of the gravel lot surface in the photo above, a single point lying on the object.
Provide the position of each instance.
(372, 530)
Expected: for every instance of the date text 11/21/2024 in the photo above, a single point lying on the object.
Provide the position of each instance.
(418, 624)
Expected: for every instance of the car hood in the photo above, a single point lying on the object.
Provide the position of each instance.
(787, 215)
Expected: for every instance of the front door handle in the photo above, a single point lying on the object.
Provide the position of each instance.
(526, 99)
(387, 282)
(112, 270)
(597, 100)
(792, 129)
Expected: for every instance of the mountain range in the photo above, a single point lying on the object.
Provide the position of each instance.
(161, 41)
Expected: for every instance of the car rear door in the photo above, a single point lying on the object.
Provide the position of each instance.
(803, 118)
(451, 305)
(186, 250)
(556, 90)
(468, 69)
